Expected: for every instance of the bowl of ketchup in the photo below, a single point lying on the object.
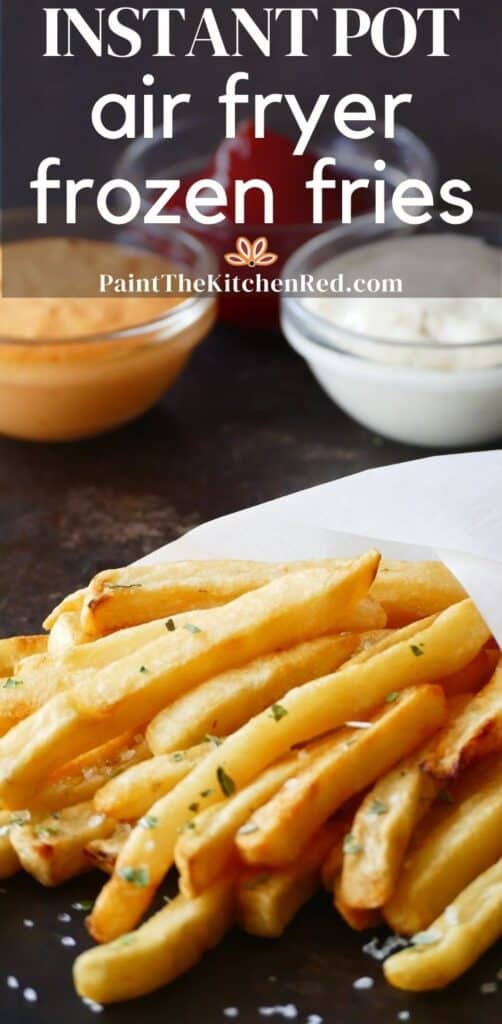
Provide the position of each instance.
(198, 152)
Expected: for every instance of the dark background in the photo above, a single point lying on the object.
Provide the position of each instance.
(246, 423)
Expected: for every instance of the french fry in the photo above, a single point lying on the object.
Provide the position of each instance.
(333, 864)
(130, 794)
(447, 643)
(9, 861)
(475, 675)
(203, 853)
(65, 634)
(268, 901)
(476, 733)
(359, 919)
(468, 926)
(456, 842)
(343, 765)
(296, 607)
(14, 649)
(53, 849)
(125, 597)
(103, 853)
(224, 703)
(412, 590)
(71, 603)
(82, 778)
(166, 946)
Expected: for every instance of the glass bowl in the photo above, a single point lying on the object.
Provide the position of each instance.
(420, 393)
(191, 151)
(66, 388)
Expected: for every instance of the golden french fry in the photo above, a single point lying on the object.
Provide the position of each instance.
(103, 853)
(71, 603)
(14, 649)
(205, 851)
(9, 861)
(359, 919)
(268, 901)
(52, 849)
(343, 765)
(457, 841)
(82, 778)
(65, 634)
(333, 863)
(296, 607)
(468, 926)
(130, 794)
(475, 675)
(447, 643)
(474, 734)
(166, 946)
(224, 703)
(412, 590)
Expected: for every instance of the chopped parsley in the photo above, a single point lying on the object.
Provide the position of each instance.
(15, 819)
(378, 807)
(212, 739)
(124, 586)
(144, 671)
(227, 785)
(124, 940)
(277, 711)
(179, 756)
(416, 650)
(45, 832)
(85, 905)
(167, 899)
(206, 792)
(350, 844)
(140, 877)
(170, 625)
(392, 697)
(149, 822)
(194, 808)
(12, 684)
(191, 628)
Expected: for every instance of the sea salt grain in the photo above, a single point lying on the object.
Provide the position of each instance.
(314, 1018)
(92, 1006)
(30, 995)
(68, 940)
(289, 1012)
(231, 1011)
(488, 988)
(404, 1015)
(64, 918)
(28, 924)
(12, 982)
(363, 983)
(393, 942)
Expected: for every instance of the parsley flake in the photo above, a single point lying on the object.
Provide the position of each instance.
(179, 756)
(277, 711)
(124, 586)
(212, 739)
(206, 792)
(194, 808)
(416, 650)
(248, 828)
(191, 628)
(45, 832)
(425, 938)
(140, 877)
(378, 807)
(149, 822)
(170, 625)
(350, 844)
(227, 785)
(392, 697)
(85, 905)
(124, 940)
(12, 684)
(144, 671)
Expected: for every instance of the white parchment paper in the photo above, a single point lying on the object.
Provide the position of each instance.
(448, 507)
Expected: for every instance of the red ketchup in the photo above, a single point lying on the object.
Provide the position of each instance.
(273, 160)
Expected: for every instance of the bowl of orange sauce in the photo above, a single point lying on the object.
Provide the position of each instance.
(77, 360)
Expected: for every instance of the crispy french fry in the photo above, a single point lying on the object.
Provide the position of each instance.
(359, 919)
(411, 590)
(166, 946)
(102, 853)
(82, 778)
(130, 794)
(456, 842)
(203, 853)
(121, 696)
(65, 634)
(268, 901)
(53, 849)
(14, 649)
(9, 861)
(454, 942)
(333, 864)
(474, 734)
(475, 675)
(224, 703)
(125, 597)
(447, 643)
(343, 765)
(71, 603)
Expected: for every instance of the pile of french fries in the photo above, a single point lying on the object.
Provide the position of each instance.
(267, 729)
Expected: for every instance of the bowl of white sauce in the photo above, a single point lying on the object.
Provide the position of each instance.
(402, 327)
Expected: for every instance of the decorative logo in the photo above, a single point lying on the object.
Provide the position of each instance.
(251, 254)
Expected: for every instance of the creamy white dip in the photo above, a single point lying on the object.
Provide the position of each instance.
(455, 333)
